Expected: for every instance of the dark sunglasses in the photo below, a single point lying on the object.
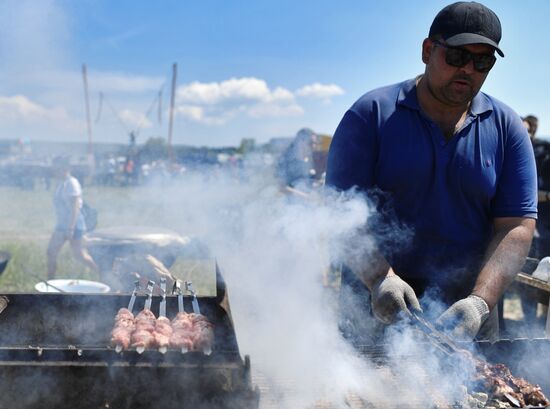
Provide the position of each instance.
(459, 57)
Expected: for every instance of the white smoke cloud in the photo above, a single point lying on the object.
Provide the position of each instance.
(273, 251)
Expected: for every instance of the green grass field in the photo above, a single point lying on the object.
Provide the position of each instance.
(27, 220)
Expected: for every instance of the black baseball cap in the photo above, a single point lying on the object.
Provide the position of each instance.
(464, 23)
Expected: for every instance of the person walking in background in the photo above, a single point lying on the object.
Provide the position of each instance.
(540, 249)
(295, 166)
(70, 225)
(531, 122)
(454, 168)
(541, 240)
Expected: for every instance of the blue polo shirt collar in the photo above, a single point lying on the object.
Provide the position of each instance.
(407, 97)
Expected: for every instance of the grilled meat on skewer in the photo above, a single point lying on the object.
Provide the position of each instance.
(182, 328)
(163, 332)
(123, 328)
(124, 313)
(143, 336)
(203, 334)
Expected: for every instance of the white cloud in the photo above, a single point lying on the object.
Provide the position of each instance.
(134, 119)
(20, 107)
(215, 103)
(193, 112)
(20, 112)
(321, 91)
(274, 110)
(233, 89)
(205, 115)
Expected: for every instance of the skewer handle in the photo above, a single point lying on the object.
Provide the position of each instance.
(133, 297)
(177, 290)
(162, 308)
(150, 285)
(194, 302)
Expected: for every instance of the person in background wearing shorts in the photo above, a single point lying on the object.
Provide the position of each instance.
(70, 225)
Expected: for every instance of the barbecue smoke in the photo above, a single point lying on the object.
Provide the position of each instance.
(280, 255)
(277, 253)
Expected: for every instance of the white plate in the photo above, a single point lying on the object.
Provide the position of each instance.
(72, 286)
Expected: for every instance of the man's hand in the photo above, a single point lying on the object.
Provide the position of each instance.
(464, 318)
(390, 296)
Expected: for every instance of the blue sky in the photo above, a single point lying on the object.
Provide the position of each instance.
(247, 69)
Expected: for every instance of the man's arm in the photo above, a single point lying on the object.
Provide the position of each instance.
(504, 257)
(351, 164)
(373, 269)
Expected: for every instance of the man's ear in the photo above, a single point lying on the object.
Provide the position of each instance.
(427, 47)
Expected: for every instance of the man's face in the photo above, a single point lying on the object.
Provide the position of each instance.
(452, 86)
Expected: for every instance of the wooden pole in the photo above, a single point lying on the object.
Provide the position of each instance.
(87, 103)
(172, 102)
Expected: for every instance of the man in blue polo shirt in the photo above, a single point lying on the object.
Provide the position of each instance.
(449, 168)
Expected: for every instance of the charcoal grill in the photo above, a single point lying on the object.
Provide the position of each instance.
(55, 353)
(526, 358)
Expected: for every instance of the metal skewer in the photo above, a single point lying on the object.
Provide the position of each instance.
(196, 309)
(194, 302)
(177, 290)
(148, 302)
(162, 308)
(119, 348)
(133, 297)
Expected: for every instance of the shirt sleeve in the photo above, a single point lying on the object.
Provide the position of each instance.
(73, 188)
(353, 154)
(516, 194)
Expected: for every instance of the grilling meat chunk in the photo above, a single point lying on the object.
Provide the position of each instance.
(163, 332)
(143, 336)
(182, 327)
(123, 328)
(499, 380)
(203, 333)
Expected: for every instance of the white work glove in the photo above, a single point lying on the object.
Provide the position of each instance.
(391, 296)
(542, 272)
(464, 318)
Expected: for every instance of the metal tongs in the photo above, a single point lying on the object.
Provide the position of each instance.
(118, 348)
(177, 290)
(448, 346)
(162, 308)
(436, 337)
(148, 302)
